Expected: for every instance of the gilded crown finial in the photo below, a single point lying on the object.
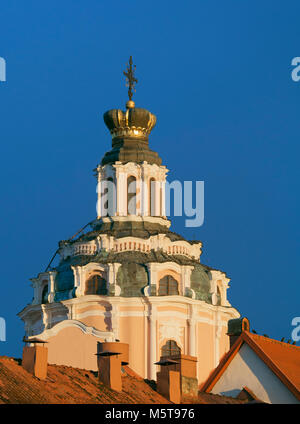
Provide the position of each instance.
(130, 82)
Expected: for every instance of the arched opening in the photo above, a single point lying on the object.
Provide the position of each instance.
(170, 349)
(161, 201)
(96, 284)
(109, 197)
(131, 195)
(45, 294)
(168, 286)
(219, 299)
(151, 201)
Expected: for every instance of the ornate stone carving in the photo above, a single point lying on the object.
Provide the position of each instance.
(171, 331)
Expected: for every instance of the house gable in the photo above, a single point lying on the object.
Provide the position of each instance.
(246, 368)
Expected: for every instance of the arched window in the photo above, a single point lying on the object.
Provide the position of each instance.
(168, 286)
(109, 197)
(96, 284)
(219, 299)
(170, 349)
(131, 195)
(151, 201)
(45, 294)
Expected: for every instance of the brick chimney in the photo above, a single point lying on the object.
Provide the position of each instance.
(168, 380)
(35, 358)
(177, 376)
(111, 355)
(188, 374)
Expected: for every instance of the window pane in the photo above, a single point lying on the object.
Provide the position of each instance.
(168, 286)
(96, 285)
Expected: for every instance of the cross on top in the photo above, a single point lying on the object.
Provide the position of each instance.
(130, 78)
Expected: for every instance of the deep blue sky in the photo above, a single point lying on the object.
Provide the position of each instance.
(218, 76)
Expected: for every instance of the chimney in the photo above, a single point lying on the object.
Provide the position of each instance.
(235, 329)
(185, 366)
(35, 358)
(111, 356)
(168, 380)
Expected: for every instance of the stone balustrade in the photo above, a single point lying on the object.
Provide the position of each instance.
(109, 243)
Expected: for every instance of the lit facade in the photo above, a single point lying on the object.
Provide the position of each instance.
(130, 278)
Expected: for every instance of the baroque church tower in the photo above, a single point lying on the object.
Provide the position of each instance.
(130, 278)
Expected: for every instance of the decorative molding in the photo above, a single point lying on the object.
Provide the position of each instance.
(117, 290)
(147, 290)
(171, 331)
(45, 335)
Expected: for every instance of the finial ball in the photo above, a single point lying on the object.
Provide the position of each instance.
(130, 104)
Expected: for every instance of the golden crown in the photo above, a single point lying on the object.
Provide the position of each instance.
(135, 122)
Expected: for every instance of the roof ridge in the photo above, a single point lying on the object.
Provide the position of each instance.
(253, 340)
(270, 340)
(269, 360)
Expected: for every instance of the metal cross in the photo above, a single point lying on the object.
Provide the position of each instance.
(130, 79)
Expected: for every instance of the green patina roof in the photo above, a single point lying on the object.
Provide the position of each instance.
(200, 282)
(130, 149)
(119, 229)
(132, 276)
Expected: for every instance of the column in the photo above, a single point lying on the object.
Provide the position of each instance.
(51, 289)
(99, 189)
(115, 320)
(192, 331)
(218, 330)
(163, 198)
(157, 198)
(152, 277)
(144, 196)
(152, 347)
(36, 291)
(138, 198)
(121, 194)
(112, 277)
(192, 337)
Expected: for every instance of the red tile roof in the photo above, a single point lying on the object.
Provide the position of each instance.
(72, 385)
(282, 358)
